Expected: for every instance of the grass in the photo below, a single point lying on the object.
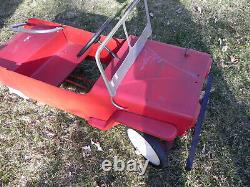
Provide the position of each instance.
(42, 146)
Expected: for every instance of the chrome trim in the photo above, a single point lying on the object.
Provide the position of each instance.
(18, 27)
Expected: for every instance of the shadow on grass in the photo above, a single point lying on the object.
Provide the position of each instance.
(7, 8)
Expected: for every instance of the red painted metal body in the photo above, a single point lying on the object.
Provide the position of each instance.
(160, 92)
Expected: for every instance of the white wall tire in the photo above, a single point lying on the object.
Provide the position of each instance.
(149, 147)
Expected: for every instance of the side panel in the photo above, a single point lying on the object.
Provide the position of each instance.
(96, 105)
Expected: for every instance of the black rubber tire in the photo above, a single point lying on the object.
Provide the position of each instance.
(159, 149)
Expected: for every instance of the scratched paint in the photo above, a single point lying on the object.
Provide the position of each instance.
(27, 38)
(151, 56)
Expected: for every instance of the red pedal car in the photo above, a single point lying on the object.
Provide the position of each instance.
(151, 87)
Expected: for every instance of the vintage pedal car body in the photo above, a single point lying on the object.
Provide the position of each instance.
(147, 85)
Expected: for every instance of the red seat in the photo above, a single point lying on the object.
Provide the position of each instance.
(48, 57)
(165, 83)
